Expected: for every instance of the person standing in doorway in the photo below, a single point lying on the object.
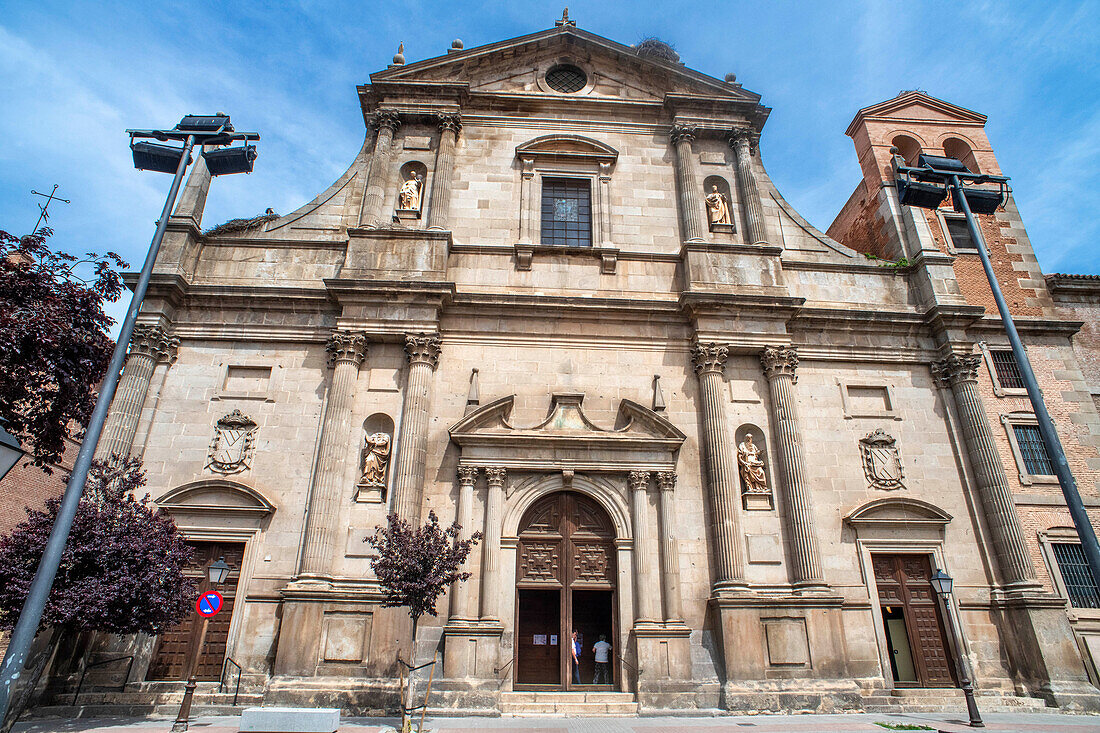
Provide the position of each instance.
(602, 650)
(575, 646)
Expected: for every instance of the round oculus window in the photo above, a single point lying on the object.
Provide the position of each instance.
(566, 79)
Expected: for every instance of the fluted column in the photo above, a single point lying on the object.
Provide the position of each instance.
(710, 360)
(346, 349)
(387, 123)
(960, 372)
(742, 140)
(646, 597)
(691, 197)
(670, 553)
(412, 446)
(490, 558)
(463, 602)
(440, 206)
(149, 345)
(779, 366)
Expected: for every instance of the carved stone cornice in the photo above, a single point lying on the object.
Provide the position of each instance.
(685, 133)
(956, 368)
(496, 476)
(709, 357)
(467, 475)
(385, 118)
(639, 480)
(452, 122)
(423, 348)
(347, 346)
(779, 361)
(666, 480)
(744, 137)
(155, 343)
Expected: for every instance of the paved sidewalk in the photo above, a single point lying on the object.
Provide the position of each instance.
(995, 723)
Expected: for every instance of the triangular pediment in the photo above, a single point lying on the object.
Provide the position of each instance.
(917, 106)
(516, 65)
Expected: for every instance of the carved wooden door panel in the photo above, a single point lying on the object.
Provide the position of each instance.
(566, 544)
(176, 644)
(904, 580)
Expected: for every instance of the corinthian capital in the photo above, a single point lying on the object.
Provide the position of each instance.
(779, 361)
(709, 357)
(385, 118)
(451, 122)
(347, 346)
(744, 137)
(423, 348)
(467, 475)
(639, 480)
(496, 476)
(155, 343)
(956, 368)
(682, 132)
(666, 480)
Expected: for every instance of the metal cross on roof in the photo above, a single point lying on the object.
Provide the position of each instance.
(44, 208)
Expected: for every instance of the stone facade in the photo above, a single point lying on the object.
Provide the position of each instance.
(627, 372)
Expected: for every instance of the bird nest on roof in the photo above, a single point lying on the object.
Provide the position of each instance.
(655, 48)
(242, 225)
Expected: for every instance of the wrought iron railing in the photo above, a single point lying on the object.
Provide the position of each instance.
(125, 677)
(221, 681)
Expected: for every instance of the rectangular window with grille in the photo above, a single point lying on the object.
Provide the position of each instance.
(1036, 460)
(1008, 371)
(1075, 573)
(959, 233)
(566, 212)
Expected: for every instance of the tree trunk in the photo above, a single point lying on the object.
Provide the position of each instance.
(406, 719)
(32, 677)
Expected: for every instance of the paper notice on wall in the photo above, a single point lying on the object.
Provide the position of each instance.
(540, 639)
(553, 639)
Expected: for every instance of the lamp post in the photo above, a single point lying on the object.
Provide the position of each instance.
(216, 574)
(926, 186)
(10, 451)
(941, 583)
(191, 131)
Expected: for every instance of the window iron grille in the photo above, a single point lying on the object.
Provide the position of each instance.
(1036, 460)
(566, 212)
(959, 233)
(1008, 371)
(1075, 573)
(566, 79)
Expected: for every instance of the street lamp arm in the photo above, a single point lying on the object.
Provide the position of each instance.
(928, 173)
(201, 138)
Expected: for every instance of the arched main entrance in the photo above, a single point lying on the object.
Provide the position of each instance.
(565, 580)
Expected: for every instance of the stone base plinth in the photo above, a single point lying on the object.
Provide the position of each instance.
(471, 649)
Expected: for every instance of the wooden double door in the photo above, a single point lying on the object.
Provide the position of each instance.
(565, 581)
(175, 645)
(912, 622)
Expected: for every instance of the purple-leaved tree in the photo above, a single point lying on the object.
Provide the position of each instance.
(416, 565)
(121, 573)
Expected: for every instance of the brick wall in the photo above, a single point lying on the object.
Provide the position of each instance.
(28, 486)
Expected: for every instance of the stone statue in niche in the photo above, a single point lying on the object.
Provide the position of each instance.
(753, 478)
(718, 210)
(881, 461)
(376, 460)
(408, 197)
(231, 448)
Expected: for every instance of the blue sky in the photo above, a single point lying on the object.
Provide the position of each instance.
(74, 75)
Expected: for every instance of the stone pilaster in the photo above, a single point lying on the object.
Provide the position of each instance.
(779, 365)
(387, 123)
(149, 345)
(742, 140)
(490, 557)
(670, 553)
(710, 360)
(440, 206)
(463, 600)
(960, 373)
(412, 446)
(347, 350)
(646, 592)
(691, 197)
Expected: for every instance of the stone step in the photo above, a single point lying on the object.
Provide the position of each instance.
(568, 704)
(524, 696)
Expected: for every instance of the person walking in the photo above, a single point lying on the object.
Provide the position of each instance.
(575, 645)
(602, 650)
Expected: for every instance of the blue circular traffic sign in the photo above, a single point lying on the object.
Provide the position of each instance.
(209, 603)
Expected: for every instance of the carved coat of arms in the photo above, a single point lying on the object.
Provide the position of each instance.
(231, 448)
(881, 462)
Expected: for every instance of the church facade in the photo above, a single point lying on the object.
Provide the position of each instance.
(557, 298)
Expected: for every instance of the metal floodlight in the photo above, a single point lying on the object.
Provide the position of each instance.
(160, 158)
(924, 195)
(941, 583)
(218, 571)
(980, 201)
(942, 164)
(10, 451)
(230, 160)
(205, 123)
